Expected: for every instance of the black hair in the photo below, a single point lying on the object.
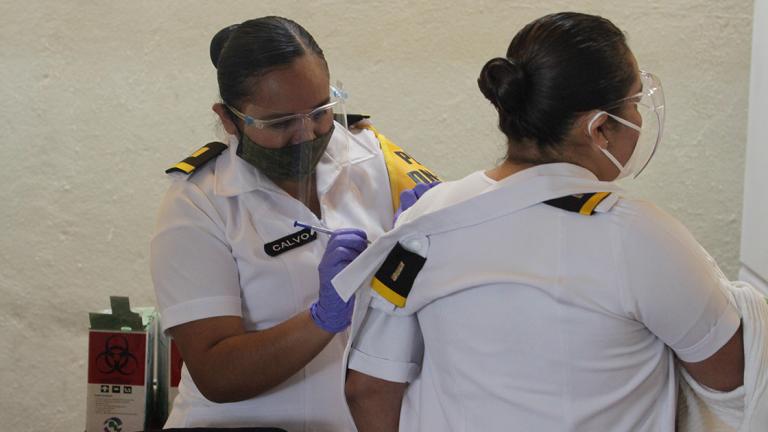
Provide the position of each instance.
(244, 52)
(556, 67)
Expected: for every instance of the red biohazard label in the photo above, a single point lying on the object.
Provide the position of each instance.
(176, 362)
(117, 358)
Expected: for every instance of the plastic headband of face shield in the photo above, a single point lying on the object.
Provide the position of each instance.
(285, 122)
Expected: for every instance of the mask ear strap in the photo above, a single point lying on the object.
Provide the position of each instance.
(607, 154)
(613, 160)
(593, 120)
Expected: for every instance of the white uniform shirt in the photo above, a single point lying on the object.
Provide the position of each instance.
(208, 260)
(528, 317)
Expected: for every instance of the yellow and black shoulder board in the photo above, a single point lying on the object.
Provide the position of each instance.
(583, 204)
(404, 171)
(394, 279)
(198, 158)
(350, 119)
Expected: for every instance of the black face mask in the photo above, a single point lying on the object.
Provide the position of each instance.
(292, 162)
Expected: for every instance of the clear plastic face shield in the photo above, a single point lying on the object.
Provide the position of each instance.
(647, 108)
(287, 147)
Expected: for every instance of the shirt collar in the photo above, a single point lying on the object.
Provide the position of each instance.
(559, 169)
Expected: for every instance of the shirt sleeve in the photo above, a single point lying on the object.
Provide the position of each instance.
(673, 286)
(193, 271)
(387, 346)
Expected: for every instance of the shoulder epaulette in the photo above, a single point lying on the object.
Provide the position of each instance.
(350, 118)
(198, 158)
(395, 278)
(583, 204)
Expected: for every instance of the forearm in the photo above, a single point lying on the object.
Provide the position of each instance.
(244, 365)
(373, 402)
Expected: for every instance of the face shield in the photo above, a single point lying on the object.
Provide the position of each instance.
(287, 147)
(649, 103)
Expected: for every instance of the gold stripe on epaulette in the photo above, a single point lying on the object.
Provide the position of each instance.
(187, 168)
(589, 207)
(199, 158)
(200, 151)
(386, 292)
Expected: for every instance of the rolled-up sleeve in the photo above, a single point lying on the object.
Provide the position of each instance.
(675, 288)
(387, 346)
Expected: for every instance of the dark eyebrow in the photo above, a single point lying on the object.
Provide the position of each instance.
(278, 115)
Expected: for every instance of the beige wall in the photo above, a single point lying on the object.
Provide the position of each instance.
(97, 98)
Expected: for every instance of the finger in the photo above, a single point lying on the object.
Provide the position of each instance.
(349, 231)
(420, 188)
(407, 198)
(356, 245)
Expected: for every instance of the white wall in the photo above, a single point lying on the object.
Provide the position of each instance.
(97, 98)
(754, 237)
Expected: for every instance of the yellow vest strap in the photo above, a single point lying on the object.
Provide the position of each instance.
(404, 171)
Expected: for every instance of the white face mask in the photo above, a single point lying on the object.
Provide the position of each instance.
(650, 105)
(639, 157)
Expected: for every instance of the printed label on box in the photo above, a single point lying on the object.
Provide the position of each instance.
(116, 381)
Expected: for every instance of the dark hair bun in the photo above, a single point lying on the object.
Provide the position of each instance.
(503, 83)
(219, 40)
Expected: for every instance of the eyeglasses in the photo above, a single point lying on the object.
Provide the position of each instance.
(286, 122)
(651, 96)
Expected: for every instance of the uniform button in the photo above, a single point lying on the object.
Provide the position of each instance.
(416, 245)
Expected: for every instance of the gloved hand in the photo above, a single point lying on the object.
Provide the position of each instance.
(330, 312)
(410, 196)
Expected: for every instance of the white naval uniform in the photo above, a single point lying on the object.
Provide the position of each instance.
(208, 260)
(528, 317)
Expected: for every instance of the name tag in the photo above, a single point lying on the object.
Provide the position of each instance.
(289, 242)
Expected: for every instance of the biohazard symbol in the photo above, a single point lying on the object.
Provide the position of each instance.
(116, 357)
(113, 424)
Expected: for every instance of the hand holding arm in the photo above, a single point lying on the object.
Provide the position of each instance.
(409, 197)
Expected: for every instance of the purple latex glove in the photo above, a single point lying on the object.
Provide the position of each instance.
(410, 196)
(330, 312)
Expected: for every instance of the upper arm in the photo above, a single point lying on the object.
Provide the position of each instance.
(724, 370)
(374, 403)
(194, 273)
(388, 345)
(677, 291)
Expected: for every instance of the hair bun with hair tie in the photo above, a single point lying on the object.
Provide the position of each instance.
(219, 40)
(502, 82)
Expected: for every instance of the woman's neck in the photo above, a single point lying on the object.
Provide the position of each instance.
(506, 169)
(304, 191)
